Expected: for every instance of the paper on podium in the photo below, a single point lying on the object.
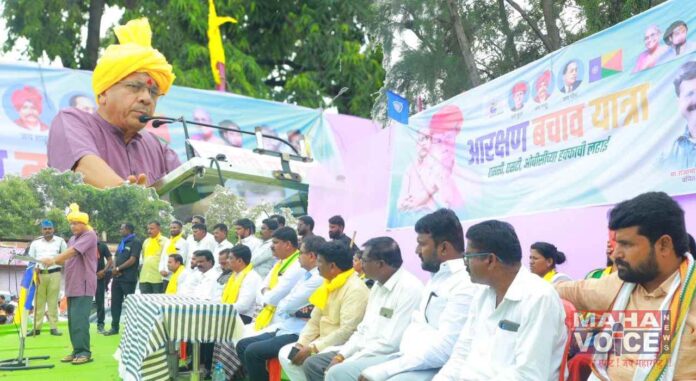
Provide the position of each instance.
(25, 258)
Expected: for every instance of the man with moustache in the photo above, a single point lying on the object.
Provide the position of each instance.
(655, 271)
(517, 329)
(428, 340)
(683, 152)
(177, 244)
(110, 146)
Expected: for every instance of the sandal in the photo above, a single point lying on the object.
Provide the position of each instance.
(68, 358)
(79, 360)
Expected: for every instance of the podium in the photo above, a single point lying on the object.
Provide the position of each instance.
(252, 175)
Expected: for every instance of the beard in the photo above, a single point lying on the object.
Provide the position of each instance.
(642, 272)
(430, 266)
(334, 235)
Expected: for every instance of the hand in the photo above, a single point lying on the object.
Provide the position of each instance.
(362, 378)
(140, 180)
(164, 273)
(115, 272)
(302, 355)
(100, 274)
(333, 362)
(47, 262)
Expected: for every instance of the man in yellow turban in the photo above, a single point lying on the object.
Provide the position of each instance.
(110, 146)
(80, 265)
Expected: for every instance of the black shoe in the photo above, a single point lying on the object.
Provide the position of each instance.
(100, 328)
(34, 333)
(54, 332)
(110, 333)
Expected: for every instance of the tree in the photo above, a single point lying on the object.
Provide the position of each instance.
(301, 52)
(48, 193)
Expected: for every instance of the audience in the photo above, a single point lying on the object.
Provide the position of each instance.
(262, 258)
(283, 276)
(175, 265)
(516, 328)
(241, 286)
(245, 230)
(200, 240)
(305, 227)
(428, 340)
(357, 266)
(654, 273)
(339, 306)
(221, 243)
(280, 219)
(543, 258)
(393, 298)
(176, 245)
(150, 278)
(285, 326)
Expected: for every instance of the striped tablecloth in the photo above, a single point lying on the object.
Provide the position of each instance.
(152, 320)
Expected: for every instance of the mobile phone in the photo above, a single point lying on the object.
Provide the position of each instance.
(293, 353)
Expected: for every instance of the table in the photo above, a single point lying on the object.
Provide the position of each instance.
(154, 320)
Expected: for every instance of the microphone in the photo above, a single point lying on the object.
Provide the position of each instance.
(157, 120)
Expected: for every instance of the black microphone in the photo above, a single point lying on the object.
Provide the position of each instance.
(157, 121)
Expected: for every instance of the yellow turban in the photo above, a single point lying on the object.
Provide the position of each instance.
(133, 54)
(76, 216)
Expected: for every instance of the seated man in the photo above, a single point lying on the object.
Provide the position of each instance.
(339, 306)
(179, 273)
(285, 326)
(283, 276)
(444, 304)
(394, 297)
(516, 329)
(202, 281)
(243, 282)
(110, 146)
(655, 272)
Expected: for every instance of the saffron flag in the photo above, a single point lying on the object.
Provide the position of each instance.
(26, 292)
(217, 53)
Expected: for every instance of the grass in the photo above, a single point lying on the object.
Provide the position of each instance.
(103, 368)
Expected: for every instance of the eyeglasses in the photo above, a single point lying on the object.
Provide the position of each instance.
(135, 87)
(468, 256)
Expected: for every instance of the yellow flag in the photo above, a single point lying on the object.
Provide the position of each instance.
(217, 53)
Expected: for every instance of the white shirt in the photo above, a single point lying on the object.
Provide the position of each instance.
(262, 258)
(532, 351)
(220, 246)
(40, 249)
(252, 242)
(284, 319)
(207, 243)
(181, 281)
(388, 313)
(202, 285)
(181, 247)
(246, 300)
(435, 326)
(286, 282)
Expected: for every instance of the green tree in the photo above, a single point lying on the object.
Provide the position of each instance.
(48, 193)
(301, 52)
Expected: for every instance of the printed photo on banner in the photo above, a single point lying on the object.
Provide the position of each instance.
(682, 154)
(570, 76)
(519, 94)
(28, 108)
(543, 86)
(79, 100)
(428, 183)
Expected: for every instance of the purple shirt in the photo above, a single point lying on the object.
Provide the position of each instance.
(75, 133)
(81, 270)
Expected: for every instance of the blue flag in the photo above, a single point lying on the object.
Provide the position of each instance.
(26, 292)
(397, 107)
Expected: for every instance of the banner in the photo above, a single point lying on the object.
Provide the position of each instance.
(33, 95)
(597, 122)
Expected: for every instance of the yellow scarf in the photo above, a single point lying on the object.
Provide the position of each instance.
(606, 272)
(266, 315)
(171, 286)
(234, 284)
(549, 275)
(171, 249)
(153, 246)
(321, 295)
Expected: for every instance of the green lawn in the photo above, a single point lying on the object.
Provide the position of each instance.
(103, 368)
